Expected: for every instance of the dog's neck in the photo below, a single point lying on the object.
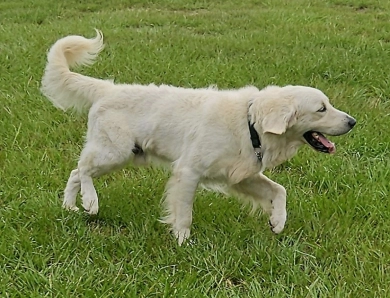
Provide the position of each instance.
(267, 147)
(278, 149)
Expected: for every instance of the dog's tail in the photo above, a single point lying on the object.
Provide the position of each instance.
(67, 89)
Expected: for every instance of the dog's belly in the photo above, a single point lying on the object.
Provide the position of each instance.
(219, 185)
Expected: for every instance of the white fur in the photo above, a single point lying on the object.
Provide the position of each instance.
(202, 133)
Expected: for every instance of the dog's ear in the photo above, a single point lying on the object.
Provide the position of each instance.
(279, 119)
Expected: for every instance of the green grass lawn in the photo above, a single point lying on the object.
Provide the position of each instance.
(337, 239)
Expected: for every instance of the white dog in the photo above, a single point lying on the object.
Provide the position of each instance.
(223, 139)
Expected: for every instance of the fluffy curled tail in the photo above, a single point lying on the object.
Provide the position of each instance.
(67, 89)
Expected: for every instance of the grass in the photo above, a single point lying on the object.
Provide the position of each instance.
(336, 241)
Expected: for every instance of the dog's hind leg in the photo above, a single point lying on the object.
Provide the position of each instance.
(71, 190)
(109, 147)
(270, 195)
(97, 160)
(179, 196)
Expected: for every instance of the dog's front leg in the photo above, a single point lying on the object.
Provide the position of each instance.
(179, 196)
(267, 193)
(279, 214)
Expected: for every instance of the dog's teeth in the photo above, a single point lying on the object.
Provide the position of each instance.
(315, 135)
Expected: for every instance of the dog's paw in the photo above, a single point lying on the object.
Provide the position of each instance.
(277, 222)
(181, 235)
(91, 206)
(70, 207)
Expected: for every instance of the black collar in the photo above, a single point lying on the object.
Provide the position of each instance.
(255, 141)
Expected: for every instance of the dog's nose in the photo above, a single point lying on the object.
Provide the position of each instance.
(351, 122)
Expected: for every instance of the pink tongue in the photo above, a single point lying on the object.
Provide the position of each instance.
(328, 144)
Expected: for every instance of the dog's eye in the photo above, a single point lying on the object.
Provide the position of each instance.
(323, 109)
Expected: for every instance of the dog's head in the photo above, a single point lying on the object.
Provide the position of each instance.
(301, 113)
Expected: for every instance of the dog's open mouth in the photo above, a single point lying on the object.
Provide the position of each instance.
(319, 142)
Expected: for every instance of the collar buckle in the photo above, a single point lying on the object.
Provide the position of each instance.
(258, 153)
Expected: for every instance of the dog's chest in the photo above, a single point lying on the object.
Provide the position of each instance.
(233, 171)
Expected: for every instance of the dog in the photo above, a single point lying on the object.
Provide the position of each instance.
(219, 139)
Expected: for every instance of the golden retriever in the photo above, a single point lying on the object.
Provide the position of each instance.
(221, 139)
